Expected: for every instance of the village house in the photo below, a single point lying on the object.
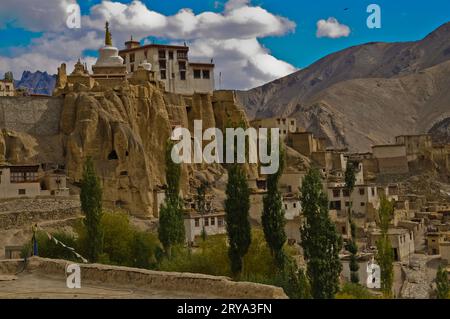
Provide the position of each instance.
(7, 88)
(402, 241)
(305, 143)
(416, 145)
(364, 198)
(214, 224)
(291, 181)
(293, 219)
(391, 159)
(54, 184)
(286, 125)
(171, 66)
(31, 181)
(19, 181)
(363, 259)
(330, 160)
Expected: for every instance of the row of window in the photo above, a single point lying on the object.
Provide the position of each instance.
(21, 177)
(181, 55)
(198, 74)
(294, 205)
(336, 205)
(211, 221)
(162, 55)
(8, 88)
(362, 191)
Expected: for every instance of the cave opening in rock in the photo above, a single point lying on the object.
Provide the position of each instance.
(113, 155)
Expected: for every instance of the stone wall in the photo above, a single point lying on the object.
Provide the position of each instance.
(216, 287)
(24, 212)
(32, 115)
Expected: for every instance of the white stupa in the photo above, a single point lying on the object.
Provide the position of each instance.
(109, 61)
(146, 65)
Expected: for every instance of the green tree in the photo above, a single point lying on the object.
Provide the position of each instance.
(9, 77)
(442, 285)
(385, 254)
(272, 218)
(237, 206)
(320, 241)
(91, 205)
(200, 200)
(350, 181)
(171, 224)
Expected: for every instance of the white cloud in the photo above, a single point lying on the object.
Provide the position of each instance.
(37, 16)
(230, 37)
(243, 63)
(331, 28)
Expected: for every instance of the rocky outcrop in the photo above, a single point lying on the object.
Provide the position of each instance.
(125, 131)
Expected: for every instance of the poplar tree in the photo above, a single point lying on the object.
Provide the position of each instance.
(442, 284)
(171, 223)
(385, 254)
(91, 205)
(272, 218)
(350, 181)
(320, 241)
(9, 77)
(237, 206)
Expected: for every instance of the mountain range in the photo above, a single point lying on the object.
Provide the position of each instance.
(37, 82)
(366, 94)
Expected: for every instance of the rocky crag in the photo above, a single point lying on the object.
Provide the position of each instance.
(124, 129)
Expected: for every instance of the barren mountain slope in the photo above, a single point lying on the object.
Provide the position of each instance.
(370, 91)
(360, 113)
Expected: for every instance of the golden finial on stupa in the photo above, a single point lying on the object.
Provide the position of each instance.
(108, 38)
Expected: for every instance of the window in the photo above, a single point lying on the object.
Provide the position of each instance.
(163, 75)
(182, 55)
(363, 204)
(206, 74)
(197, 222)
(17, 177)
(206, 221)
(361, 191)
(285, 206)
(182, 65)
(213, 221)
(336, 205)
(373, 191)
(132, 58)
(132, 68)
(336, 192)
(292, 122)
(162, 54)
(197, 74)
(162, 64)
(347, 204)
(346, 193)
(170, 55)
(183, 75)
(284, 121)
(22, 191)
(295, 205)
(220, 221)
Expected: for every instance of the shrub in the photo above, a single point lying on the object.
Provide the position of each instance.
(123, 244)
(47, 248)
(354, 291)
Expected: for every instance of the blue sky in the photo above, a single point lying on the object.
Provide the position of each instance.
(284, 48)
